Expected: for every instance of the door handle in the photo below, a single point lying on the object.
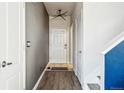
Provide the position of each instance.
(4, 64)
(9, 63)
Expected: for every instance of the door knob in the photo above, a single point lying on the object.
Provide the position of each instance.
(3, 63)
(65, 46)
(80, 51)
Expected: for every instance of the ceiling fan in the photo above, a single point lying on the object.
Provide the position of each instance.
(60, 14)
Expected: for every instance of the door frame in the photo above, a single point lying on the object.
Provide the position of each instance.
(71, 43)
(23, 43)
(76, 48)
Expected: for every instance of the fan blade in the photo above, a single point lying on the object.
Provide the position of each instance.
(64, 13)
(62, 17)
(55, 17)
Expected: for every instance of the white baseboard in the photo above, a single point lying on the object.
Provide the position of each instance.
(41, 76)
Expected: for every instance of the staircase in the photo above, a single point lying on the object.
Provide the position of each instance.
(113, 64)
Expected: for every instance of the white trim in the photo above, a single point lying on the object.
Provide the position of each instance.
(71, 42)
(114, 42)
(82, 55)
(41, 76)
(103, 73)
(19, 50)
(75, 51)
(23, 46)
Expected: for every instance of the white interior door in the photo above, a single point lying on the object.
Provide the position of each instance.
(10, 69)
(3, 39)
(58, 46)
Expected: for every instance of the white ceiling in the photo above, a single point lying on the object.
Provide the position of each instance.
(52, 7)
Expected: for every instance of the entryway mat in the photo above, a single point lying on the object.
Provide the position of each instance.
(59, 68)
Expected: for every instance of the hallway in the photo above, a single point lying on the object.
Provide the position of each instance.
(36, 34)
(59, 80)
(61, 46)
(57, 41)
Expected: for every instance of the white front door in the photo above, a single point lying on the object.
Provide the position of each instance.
(10, 65)
(58, 46)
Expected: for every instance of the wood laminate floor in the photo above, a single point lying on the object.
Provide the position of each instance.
(59, 80)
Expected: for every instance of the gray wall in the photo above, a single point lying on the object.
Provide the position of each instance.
(37, 31)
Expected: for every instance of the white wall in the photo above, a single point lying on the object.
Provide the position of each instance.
(37, 31)
(102, 22)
